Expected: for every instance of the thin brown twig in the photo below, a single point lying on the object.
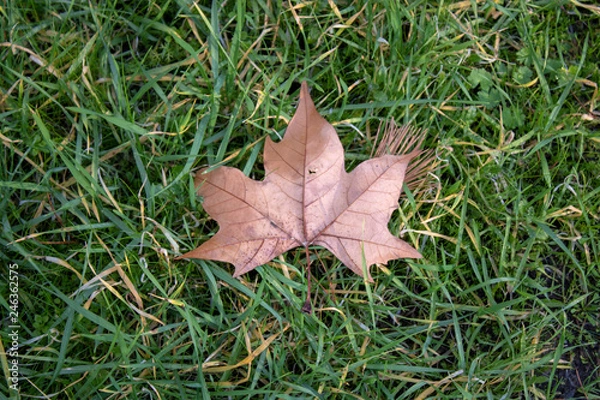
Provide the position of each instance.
(307, 307)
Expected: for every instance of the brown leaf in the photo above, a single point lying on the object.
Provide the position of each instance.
(307, 198)
(403, 140)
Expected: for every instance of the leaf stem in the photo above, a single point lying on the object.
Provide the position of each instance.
(307, 307)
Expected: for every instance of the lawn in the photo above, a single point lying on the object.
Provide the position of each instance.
(108, 108)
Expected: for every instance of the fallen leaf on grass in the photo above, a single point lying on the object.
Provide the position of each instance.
(307, 198)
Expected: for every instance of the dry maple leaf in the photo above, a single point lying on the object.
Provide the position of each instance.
(402, 140)
(307, 198)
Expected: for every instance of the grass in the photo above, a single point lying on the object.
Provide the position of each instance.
(108, 107)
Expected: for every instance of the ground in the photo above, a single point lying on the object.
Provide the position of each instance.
(109, 108)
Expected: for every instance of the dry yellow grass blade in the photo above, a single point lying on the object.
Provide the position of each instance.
(207, 368)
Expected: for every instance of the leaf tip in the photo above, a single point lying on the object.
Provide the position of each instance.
(305, 93)
(304, 87)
